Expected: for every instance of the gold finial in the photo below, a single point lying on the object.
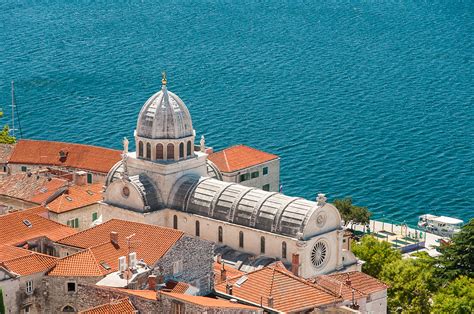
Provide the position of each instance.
(163, 78)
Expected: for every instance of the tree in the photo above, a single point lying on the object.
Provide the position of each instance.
(375, 254)
(458, 257)
(457, 297)
(5, 137)
(350, 212)
(2, 305)
(411, 283)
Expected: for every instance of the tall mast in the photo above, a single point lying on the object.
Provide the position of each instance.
(13, 109)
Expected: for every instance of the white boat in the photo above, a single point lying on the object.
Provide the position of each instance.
(440, 225)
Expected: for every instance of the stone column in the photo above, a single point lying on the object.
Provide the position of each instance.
(339, 238)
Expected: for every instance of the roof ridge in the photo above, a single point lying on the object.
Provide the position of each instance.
(83, 231)
(109, 303)
(67, 143)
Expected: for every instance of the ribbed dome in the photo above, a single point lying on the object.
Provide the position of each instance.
(164, 116)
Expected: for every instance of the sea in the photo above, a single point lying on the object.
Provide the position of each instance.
(371, 100)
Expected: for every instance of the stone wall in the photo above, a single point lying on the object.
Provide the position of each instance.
(272, 178)
(196, 256)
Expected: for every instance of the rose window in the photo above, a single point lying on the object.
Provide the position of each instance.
(319, 254)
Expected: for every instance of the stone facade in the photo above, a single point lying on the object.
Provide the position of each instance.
(271, 179)
(83, 214)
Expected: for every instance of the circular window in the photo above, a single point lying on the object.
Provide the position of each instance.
(319, 254)
(321, 220)
(126, 191)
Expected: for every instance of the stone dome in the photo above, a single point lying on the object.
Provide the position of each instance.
(164, 116)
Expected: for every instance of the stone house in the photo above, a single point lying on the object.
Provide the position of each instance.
(247, 166)
(22, 273)
(5, 152)
(94, 256)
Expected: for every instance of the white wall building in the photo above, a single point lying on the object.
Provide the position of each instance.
(166, 182)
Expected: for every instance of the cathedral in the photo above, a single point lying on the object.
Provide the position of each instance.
(170, 182)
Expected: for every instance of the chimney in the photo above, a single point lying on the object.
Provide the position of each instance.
(80, 178)
(270, 301)
(228, 289)
(114, 237)
(295, 264)
(152, 282)
(223, 273)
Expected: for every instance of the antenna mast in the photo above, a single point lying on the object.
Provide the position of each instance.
(13, 109)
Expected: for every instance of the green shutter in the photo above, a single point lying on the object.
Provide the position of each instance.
(94, 216)
(76, 223)
(89, 178)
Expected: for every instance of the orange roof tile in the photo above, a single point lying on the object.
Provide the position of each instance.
(14, 228)
(175, 286)
(239, 157)
(75, 197)
(146, 294)
(34, 188)
(208, 302)
(30, 264)
(230, 272)
(79, 156)
(290, 293)
(336, 287)
(361, 282)
(8, 252)
(122, 306)
(83, 264)
(38, 210)
(149, 242)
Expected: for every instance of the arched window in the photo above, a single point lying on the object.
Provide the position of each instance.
(159, 151)
(262, 245)
(283, 249)
(189, 148)
(140, 149)
(241, 239)
(148, 151)
(68, 309)
(175, 222)
(197, 228)
(170, 151)
(220, 234)
(181, 150)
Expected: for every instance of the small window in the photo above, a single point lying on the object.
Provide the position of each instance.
(177, 267)
(68, 309)
(241, 239)
(159, 151)
(140, 149)
(175, 222)
(254, 175)
(220, 234)
(148, 151)
(265, 171)
(89, 178)
(27, 309)
(23, 168)
(262, 245)
(94, 216)
(266, 187)
(283, 249)
(73, 223)
(177, 308)
(71, 287)
(244, 177)
(170, 151)
(181, 150)
(197, 228)
(29, 287)
(188, 148)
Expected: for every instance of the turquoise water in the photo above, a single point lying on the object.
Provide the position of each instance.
(369, 99)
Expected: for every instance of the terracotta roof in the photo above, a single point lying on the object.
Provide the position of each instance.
(34, 188)
(8, 252)
(30, 264)
(79, 156)
(5, 152)
(230, 272)
(122, 306)
(336, 287)
(175, 286)
(18, 227)
(361, 282)
(38, 210)
(290, 293)
(239, 157)
(149, 242)
(146, 294)
(76, 197)
(83, 264)
(208, 302)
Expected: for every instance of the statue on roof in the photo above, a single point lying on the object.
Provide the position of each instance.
(202, 143)
(125, 145)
